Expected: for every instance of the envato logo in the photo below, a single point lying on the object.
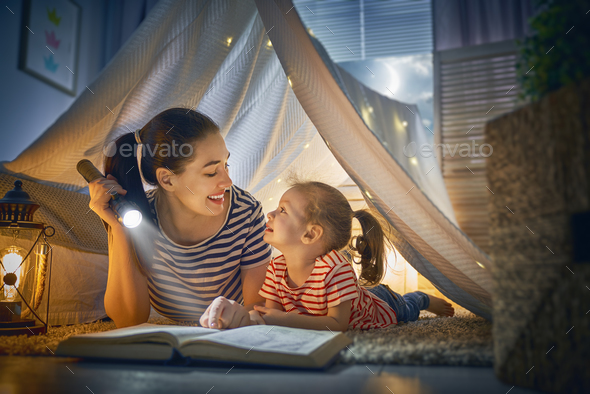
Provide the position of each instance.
(461, 150)
(161, 150)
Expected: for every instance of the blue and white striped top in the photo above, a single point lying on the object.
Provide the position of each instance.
(183, 280)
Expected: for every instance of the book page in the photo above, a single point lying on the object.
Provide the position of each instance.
(270, 339)
(148, 333)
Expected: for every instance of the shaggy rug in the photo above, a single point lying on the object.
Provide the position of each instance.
(464, 339)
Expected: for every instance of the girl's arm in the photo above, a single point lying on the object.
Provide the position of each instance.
(336, 320)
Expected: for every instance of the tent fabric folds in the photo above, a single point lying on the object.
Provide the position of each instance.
(441, 251)
(282, 105)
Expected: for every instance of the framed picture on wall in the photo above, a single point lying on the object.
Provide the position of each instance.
(49, 42)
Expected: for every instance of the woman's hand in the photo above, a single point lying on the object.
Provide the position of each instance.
(224, 313)
(100, 197)
(256, 319)
(270, 316)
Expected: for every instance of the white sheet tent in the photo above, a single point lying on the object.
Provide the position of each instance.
(282, 105)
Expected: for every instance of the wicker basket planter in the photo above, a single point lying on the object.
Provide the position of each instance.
(539, 174)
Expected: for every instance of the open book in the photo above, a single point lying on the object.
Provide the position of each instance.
(257, 345)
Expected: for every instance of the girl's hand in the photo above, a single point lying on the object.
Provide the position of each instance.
(224, 313)
(100, 197)
(256, 319)
(271, 316)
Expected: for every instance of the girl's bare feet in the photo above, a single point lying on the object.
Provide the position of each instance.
(440, 306)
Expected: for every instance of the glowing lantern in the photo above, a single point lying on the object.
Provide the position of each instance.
(24, 276)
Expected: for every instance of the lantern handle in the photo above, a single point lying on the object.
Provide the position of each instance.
(44, 231)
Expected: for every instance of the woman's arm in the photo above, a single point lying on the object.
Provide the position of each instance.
(252, 280)
(126, 299)
(336, 320)
(224, 313)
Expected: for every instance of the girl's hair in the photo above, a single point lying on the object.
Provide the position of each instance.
(328, 208)
(168, 142)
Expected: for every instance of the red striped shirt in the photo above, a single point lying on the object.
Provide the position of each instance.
(332, 281)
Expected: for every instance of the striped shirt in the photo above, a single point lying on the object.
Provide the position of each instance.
(183, 280)
(332, 281)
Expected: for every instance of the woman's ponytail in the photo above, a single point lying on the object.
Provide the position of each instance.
(122, 164)
(370, 246)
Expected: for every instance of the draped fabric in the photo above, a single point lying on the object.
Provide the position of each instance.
(282, 105)
(122, 18)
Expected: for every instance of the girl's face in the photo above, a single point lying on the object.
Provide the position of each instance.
(286, 224)
(201, 186)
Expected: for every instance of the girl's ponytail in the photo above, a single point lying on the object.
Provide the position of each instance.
(370, 246)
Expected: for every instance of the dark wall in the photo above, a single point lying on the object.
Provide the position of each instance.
(28, 105)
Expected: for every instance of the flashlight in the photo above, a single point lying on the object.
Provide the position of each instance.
(126, 212)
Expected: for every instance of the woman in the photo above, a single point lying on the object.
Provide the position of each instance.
(201, 254)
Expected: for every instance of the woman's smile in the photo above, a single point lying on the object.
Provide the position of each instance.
(217, 198)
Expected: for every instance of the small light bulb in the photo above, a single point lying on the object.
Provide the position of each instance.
(290, 83)
(371, 109)
(269, 44)
(405, 123)
(279, 180)
(414, 161)
(480, 264)
(12, 261)
(229, 41)
(12, 265)
(306, 146)
(270, 199)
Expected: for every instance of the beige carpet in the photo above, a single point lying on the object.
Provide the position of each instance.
(465, 339)
(461, 340)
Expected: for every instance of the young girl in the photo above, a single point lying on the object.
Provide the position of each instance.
(312, 285)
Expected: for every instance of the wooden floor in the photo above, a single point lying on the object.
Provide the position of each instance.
(33, 375)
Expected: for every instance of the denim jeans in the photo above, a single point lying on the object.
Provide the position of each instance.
(407, 307)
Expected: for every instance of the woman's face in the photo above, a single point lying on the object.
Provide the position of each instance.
(201, 186)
